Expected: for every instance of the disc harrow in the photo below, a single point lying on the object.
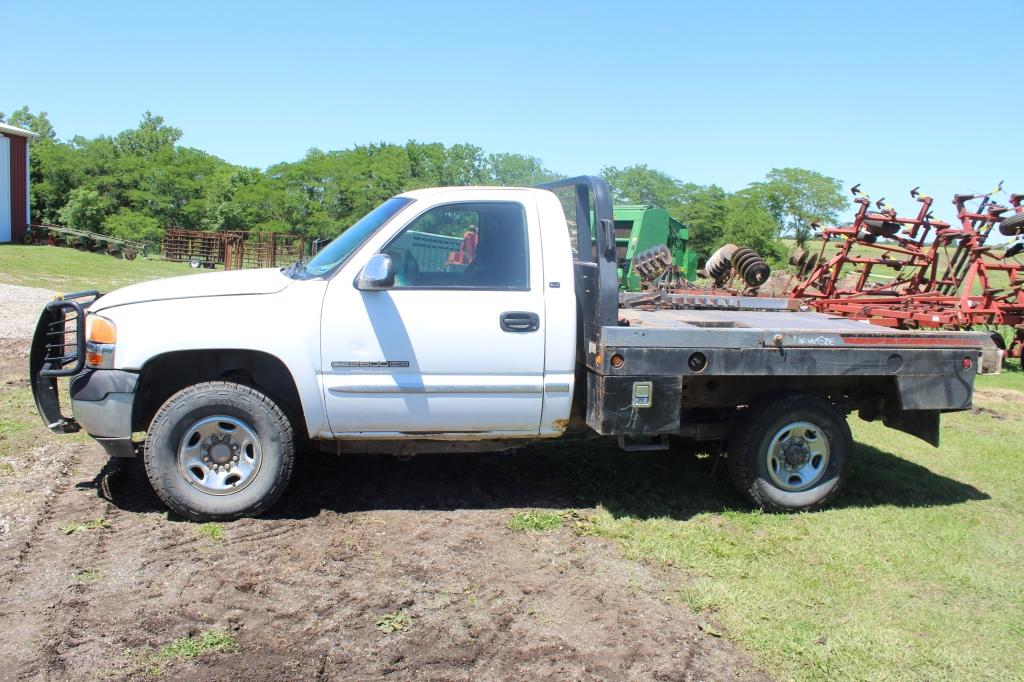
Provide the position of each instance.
(732, 260)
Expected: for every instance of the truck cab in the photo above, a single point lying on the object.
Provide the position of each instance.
(473, 318)
(414, 344)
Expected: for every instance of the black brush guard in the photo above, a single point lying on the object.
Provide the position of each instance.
(58, 350)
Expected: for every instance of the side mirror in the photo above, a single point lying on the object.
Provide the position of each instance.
(378, 274)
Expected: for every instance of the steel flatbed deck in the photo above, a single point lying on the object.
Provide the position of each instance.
(717, 356)
(695, 328)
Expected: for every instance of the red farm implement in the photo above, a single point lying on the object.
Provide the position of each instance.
(83, 240)
(919, 272)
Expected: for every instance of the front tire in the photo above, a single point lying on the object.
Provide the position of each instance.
(218, 451)
(790, 454)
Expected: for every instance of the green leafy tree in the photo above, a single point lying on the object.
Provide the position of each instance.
(223, 211)
(747, 223)
(278, 226)
(55, 169)
(150, 137)
(516, 170)
(128, 224)
(464, 165)
(84, 210)
(36, 123)
(641, 184)
(703, 208)
(796, 197)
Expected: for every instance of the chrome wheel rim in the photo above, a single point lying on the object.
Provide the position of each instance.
(219, 455)
(797, 456)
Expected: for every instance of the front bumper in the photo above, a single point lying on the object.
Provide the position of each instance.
(101, 400)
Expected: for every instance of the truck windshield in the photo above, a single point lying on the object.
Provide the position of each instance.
(348, 241)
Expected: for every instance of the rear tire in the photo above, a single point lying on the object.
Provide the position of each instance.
(218, 451)
(790, 454)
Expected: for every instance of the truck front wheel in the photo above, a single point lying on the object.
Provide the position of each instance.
(218, 451)
(790, 454)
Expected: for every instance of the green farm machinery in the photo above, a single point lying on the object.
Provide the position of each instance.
(640, 229)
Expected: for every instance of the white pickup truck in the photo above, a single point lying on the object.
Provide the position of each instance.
(474, 318)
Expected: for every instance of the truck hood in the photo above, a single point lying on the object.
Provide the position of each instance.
(234, 283)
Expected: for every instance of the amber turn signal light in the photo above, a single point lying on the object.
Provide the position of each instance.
(100, 330)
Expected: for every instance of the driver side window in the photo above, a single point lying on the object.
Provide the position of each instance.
(477, 245)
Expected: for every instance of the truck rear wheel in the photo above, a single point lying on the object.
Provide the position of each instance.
(791, 454)
(218, 451)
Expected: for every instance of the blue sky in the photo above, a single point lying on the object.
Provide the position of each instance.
(891, 94)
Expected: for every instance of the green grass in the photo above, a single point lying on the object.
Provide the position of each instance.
(80, 527)
(1012, 377)
(394, 622)
(212, 531)
(533, 520)
(147, 662)
(15, 404)
(188, 648)
(64, 270)
(915, 574)
(17, 412)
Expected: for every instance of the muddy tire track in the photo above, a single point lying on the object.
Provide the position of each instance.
(44, 515)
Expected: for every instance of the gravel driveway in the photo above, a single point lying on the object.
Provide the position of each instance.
(19, 309)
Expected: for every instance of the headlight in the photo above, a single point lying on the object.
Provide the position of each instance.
(100, 340)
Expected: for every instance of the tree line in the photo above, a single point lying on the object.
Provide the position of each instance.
(140, 181)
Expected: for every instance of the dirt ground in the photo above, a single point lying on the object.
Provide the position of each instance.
(303, 589)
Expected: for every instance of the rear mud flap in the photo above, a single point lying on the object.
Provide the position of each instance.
(921, 423)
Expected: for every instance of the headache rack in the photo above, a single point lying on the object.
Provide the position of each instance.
(58, 350)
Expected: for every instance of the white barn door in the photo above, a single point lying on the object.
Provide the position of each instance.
(5, 189)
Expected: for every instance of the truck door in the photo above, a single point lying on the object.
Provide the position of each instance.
(453, 346)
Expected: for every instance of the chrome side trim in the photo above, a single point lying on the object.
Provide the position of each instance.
(556, 388)
(438, 388)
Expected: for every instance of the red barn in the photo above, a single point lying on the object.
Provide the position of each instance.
(14, 194)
